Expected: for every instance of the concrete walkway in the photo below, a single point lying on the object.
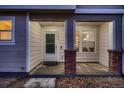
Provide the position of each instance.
(81, 68)
(40, 83)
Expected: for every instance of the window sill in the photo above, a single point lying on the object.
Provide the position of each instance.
(86, 52)
(7, 43)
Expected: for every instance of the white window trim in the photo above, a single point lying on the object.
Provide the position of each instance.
(9, 42)
(80, 41)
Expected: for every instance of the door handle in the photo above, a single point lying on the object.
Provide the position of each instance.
(61, 47)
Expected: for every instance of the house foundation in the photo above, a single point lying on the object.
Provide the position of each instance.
(115, 61)
(70, 61)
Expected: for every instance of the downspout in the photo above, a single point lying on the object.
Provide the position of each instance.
(27, 43)
(123, 42)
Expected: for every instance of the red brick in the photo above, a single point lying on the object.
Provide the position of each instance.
(70, 61)
(115, 62)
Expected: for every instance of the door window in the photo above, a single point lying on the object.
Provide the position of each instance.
(50, 43)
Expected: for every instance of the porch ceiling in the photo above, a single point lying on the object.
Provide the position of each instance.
(77, 23)
(51, 23)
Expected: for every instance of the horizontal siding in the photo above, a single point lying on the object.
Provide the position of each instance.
(61, 44)
(104, 43)
(13, 57)
(36, 54)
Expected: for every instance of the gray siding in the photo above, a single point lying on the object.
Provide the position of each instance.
(13, 57)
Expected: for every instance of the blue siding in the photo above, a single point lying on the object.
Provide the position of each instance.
(13, 57)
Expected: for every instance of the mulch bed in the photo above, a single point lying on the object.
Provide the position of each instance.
(90, 82)
(12, 82)
(19, 83)
(76, 82)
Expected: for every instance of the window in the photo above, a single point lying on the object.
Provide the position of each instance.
(77, 40)
(88, 41)
(6, 30)
(85, 41)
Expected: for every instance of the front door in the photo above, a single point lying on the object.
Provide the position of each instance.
(50, 46)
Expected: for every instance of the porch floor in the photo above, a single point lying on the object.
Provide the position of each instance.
(81, 68)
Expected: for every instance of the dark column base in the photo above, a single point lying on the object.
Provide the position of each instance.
(115, 61)
(70, 61)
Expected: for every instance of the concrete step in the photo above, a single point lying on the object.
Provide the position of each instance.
(40, 83)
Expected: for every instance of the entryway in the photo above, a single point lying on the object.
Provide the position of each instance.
(93, 39)
(48, 41)
(47, 45)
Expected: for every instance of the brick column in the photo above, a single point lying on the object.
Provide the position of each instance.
(70, 61)
(115, 61)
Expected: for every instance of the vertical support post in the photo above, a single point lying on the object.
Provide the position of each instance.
(70, 52)
(27, 43)
(70, 33)
(115, 54)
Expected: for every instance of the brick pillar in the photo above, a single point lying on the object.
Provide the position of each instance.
(70, 61)
(115, 61)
